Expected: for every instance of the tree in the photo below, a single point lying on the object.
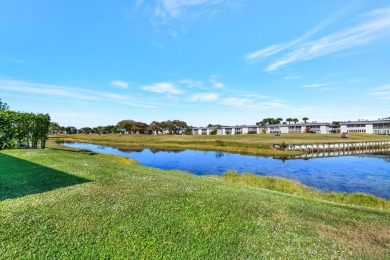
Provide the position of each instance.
(3, 106)
(305, 119)
(289, 120)
(295, 120)
(25, 129)
(214, 131)
(126, 126)
(43, 126)
(269, 121)
(54, 128)
(86, 130)
(336, 124)
(71, 130)
(155, 127)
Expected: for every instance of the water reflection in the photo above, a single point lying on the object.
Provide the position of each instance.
(219, 155)
(368, 173)
(153, 150)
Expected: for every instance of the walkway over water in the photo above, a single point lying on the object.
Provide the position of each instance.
(342, 153)
(333, 146)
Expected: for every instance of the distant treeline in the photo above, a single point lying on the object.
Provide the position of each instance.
(172, 127)
(19, 129)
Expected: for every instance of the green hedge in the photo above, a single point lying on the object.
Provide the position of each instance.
(23, 129)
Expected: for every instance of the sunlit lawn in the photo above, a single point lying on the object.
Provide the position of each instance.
(107, 208)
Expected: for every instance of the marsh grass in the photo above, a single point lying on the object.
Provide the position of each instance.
(129, 211)
(296, 188)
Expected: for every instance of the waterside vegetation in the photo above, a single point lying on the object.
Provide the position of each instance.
(296, 188)
(260, 144)
(77, 204)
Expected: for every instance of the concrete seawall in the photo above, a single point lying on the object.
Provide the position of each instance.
(346, 146)
(340, 153)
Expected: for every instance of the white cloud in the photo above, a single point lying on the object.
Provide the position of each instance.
(175, 8)
(274, 49)
(192, 84)
(138, 104)
(162, 88)
(381, 93)
(218, 85)
(254, 103)
(273, 104)
(384, 87)
(238, 102)
(118, 83)
(171, 16)
(315, 85)
(376, 26)
(215, 82)
(69, 93)
(205, 97)
(46, 90)
(291, 77)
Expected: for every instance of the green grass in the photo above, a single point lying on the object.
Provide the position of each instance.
(123, 211)
(296, 188)
(257, 144)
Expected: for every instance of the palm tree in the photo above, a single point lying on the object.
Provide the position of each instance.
(305, 119)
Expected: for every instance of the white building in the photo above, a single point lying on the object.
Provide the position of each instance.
(380, 126)
(319, 128)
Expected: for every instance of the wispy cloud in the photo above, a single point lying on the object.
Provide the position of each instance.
(192, 84)
(119, 83)
(176, 8)
(381, 93)
(315, 85)
(210, 84)
(273, 104)
(277, 48)
(69, 93)
(291, 77)
(235, 101)
(385, 87)
(205, 97)
(375, 27)
(253, 103)
(171, 16)
(215, 82)
(46, 90)
(166, 88)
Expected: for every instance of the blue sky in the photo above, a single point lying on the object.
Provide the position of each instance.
(90, 63)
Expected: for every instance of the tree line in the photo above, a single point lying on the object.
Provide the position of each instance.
(18, 129)
(173, 127)
(279, 120)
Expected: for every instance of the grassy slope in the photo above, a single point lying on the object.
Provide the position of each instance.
(123, 210)
(260, 144)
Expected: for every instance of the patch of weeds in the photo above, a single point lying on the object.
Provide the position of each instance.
(219, 142)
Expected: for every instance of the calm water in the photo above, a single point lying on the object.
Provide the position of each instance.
(358, 173)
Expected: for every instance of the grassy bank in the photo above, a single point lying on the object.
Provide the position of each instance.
(296, 188)
(260, 144)
(62, 204)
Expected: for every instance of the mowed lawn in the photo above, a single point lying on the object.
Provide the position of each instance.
(258, 144)
(61, 204)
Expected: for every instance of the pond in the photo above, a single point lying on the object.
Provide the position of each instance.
(367, 173)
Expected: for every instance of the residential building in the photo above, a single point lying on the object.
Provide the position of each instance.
(380, 126)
